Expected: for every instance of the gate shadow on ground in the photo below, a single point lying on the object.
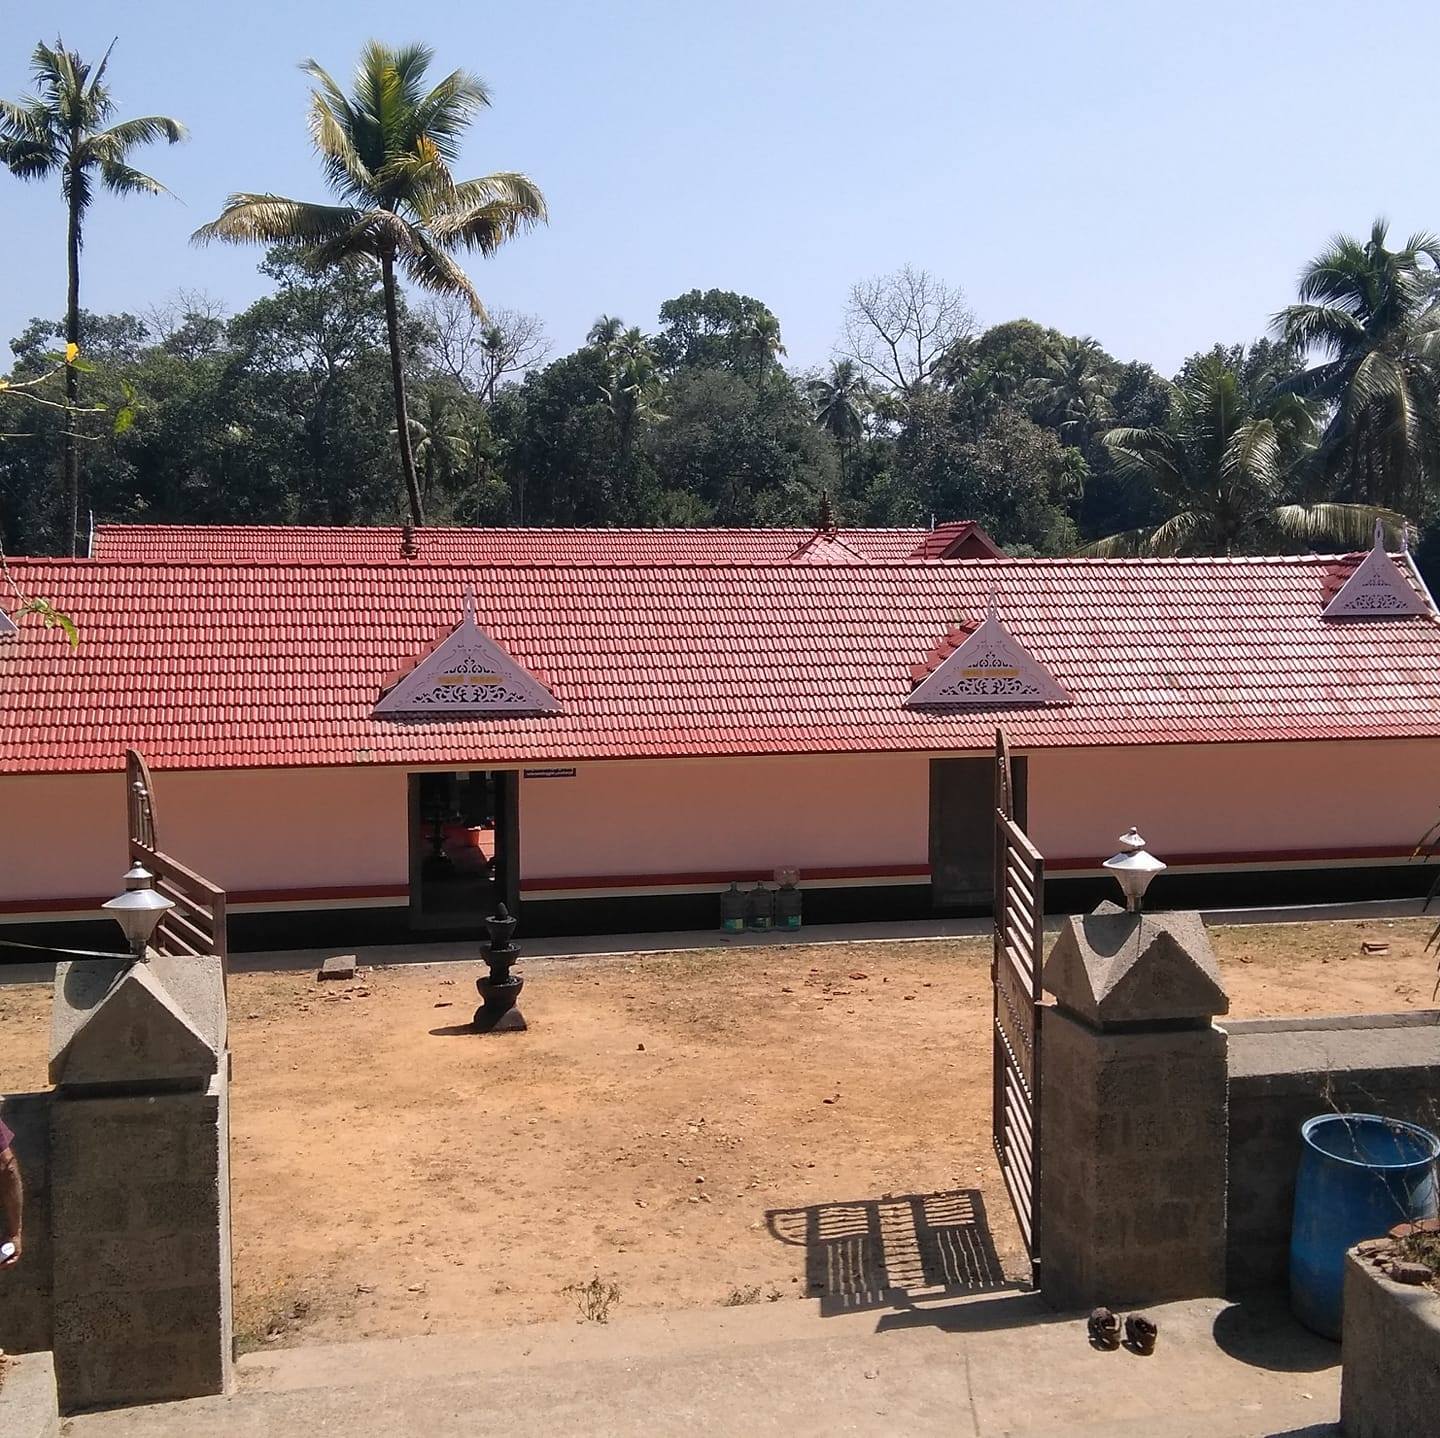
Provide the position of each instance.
(889, 1252)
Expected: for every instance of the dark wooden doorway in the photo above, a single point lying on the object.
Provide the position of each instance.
(464, 847)
(962, 831)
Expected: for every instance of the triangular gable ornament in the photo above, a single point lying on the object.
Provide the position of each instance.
(7, 625)
(1378, 589)
(991, 667)
(467, 675)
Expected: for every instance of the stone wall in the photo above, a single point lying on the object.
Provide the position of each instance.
(25, 1290)
(1391, 1351)
(1283, 1071)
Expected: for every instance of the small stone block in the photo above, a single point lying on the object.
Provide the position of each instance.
(338, 966)
(1415, 1273)
(1402, 1230)
(1372, 1246)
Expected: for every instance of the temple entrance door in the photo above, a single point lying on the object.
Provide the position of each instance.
(464, 848)
(962, 831)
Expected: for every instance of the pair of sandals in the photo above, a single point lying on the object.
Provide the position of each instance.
(1141, 1331)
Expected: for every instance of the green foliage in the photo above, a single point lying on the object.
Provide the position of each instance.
(286, 413)
(1369, 314)
(1227, 464)
(717, 329)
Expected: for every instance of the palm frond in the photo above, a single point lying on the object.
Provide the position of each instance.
(124, 136)
(121, 179)
(1252, 457)
(1352, 525)
(1328, 327)
(331, 131)
(511, 204)
(444, 113)
(1126, 545)
(272, 220)
(432, 269)
(508, 186)
(1176, 532)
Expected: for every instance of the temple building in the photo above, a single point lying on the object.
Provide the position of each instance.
(374, 734)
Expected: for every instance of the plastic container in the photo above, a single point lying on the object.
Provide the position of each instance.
(787, 906)
(1360, 1175)
(733, 907)
(760, 907)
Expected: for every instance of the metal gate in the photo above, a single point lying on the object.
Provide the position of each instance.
(1015, 978)
(196, 925)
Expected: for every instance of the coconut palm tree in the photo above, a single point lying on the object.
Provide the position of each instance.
(387, 151)
(1072, 395)
(437, 438)
(841, 401)
(65, 129)
(1369, 311)
(1227, 471)
(759, 338)
(633, 383)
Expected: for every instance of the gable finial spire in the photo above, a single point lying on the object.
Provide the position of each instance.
(827, 513)
(1379, 534)
(469, 604)
(992, 603)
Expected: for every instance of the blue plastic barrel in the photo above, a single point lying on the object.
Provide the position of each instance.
(1360, 1175)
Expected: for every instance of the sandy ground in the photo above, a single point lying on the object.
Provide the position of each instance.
(664, 1125)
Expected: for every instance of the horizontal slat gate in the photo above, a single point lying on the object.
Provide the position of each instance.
(1015, 976)
(196, 925)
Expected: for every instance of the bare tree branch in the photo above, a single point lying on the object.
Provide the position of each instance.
(479, 353)
(898, 327)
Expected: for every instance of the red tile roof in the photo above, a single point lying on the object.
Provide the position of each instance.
(958, 539)
(279, 544)
(232, 665)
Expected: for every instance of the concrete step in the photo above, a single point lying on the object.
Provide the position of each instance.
(995, 1365)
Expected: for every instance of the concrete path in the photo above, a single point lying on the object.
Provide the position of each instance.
(997, 1366)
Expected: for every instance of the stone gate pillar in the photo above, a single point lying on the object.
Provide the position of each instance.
(140, 1182)
(1133, 1113)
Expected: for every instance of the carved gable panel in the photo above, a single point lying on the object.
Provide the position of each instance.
(1378, 589)
(467, 675)
(991, 667)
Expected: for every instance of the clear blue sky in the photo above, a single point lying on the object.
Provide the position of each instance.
(1153, 174)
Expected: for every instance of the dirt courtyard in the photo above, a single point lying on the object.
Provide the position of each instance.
(676, 1124)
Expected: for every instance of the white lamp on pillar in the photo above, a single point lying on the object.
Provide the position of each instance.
(139, 909)
(1133, 868)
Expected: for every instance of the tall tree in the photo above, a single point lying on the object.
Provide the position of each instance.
(841, 399)
(1226, 470)
(64, 128)
(632, 379)
(900, 327)
(1072, 393)
(1370, 312)
(387, 151)
(481, 351)
(719, 329)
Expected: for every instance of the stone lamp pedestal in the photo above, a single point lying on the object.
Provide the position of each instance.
(500, 990)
